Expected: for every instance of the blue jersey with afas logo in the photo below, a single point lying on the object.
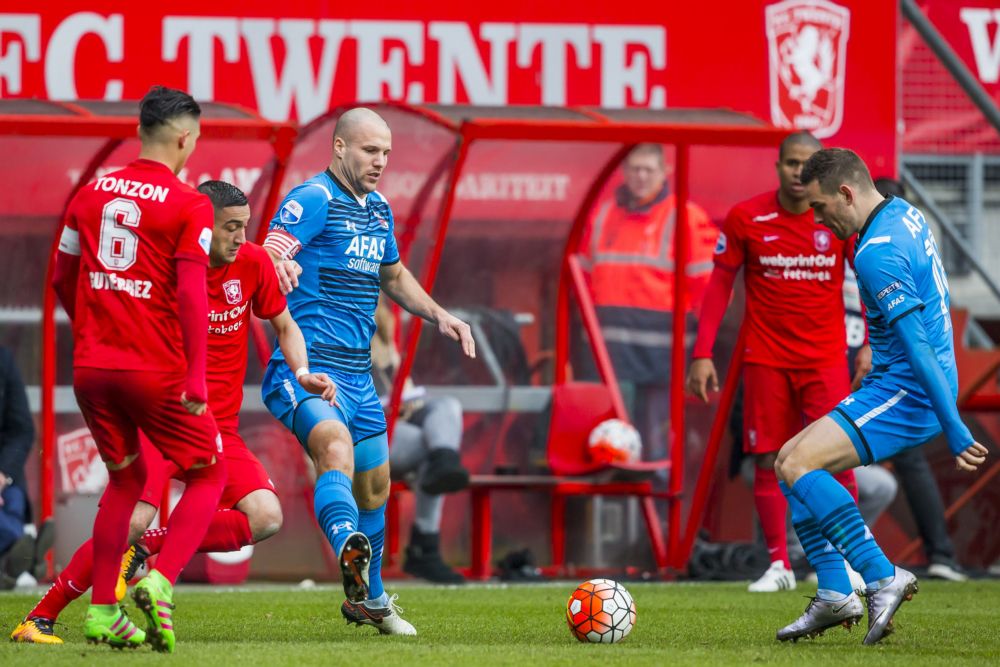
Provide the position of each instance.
(344, 242)
(899, 272)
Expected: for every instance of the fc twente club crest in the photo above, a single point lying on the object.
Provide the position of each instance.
(234, 292)
(807, 54)
(821, 239)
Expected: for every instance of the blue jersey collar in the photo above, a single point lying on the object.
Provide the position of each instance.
(871, 217)
(343, 188)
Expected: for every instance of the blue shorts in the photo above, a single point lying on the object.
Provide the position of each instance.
(358, 409)
(886, 417)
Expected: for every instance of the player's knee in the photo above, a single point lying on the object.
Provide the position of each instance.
(764, 461)
(136, 527)
(793, 462)
(142, 516)
(450, 406)
(266, 521)
(330, 448)
(781, 461)
(371, 488)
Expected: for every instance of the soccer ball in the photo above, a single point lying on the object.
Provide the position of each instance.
(614, 441)
(600, 611)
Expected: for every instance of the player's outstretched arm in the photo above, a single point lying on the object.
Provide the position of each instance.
(67, 268)
(192, 303)
(287, 271)
(64, 279)
(911, 332)
(293, 346)
(702, 376)
(403, 288)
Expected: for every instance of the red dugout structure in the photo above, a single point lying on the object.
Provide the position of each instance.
(490, 205)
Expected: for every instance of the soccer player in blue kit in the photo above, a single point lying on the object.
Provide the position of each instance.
(906, 399)
(340, 231)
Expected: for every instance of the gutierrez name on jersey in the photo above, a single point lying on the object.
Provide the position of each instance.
(367, 251)
(138, 289)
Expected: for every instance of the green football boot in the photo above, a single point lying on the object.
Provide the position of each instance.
(110, 624)
(154, 595)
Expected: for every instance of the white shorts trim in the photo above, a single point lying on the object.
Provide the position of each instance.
(876, 411)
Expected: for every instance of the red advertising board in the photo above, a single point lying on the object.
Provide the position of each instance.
(938, 115)
(815, 64)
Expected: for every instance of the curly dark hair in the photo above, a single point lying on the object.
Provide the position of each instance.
(223, 194)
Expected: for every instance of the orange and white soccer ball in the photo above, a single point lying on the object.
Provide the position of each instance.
(600, 611)
(614, 441)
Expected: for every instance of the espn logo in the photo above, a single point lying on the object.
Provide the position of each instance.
(889, 289)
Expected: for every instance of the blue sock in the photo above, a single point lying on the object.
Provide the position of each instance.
(840, 522)
(335, 507)
(831, 573)
(372, 524)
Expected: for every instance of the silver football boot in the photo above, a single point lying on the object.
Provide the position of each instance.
(822, 615)
(883, 603)
(386, 620)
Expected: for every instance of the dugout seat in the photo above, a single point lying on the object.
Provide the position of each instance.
(577, 407)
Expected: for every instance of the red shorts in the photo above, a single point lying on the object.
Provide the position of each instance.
(245, 473)
(117, 404)
(780, 402)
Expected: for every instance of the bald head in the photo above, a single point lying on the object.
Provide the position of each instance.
(803, 139)
(355, 121)
(361, 145)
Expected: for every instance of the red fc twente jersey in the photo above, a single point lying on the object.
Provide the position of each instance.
(794, 274)
(234, 290)
(133, 226)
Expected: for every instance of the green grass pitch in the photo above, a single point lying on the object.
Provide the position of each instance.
(678, 624)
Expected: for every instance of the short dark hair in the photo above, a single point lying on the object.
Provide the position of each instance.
(162, 104)
(832, 167)
(800, 138)
(889, 186)
(223, 194)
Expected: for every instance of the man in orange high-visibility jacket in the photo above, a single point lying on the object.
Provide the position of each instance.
(629, 251)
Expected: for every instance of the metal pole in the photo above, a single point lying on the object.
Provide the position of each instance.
(951, 62)
(948, 227)
(676, 446)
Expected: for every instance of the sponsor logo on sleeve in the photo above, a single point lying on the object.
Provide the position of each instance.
(720, 245)
(205, 240)
(291, 212)
(895, 302)
(889, 289)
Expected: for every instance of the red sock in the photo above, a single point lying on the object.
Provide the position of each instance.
(190, 519)
(847, 479)
(69, 585)
(229, 531)
(772, 509)
(111, 528)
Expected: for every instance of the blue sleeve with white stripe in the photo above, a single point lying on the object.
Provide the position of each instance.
(302, 213)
